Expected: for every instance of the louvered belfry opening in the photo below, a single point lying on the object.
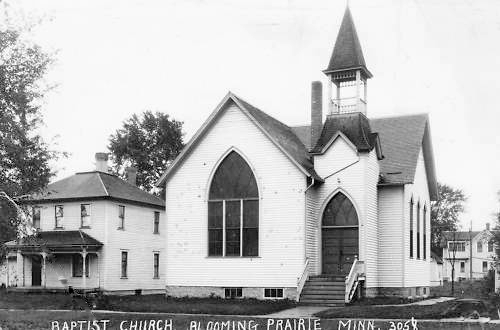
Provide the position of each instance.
(340, 234)
(233, 210)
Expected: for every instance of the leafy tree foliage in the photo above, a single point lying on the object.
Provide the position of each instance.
(445, 212)
(24, 156)
(148, 142)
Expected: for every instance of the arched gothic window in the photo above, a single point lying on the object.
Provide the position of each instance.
(233, 209)
(340, 212)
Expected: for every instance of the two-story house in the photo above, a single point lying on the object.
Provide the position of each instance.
(471, 252)
(94, 231)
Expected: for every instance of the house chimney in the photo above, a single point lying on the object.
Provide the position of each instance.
(101, 162)
(487, 226)
(131, 175)
(316, 111)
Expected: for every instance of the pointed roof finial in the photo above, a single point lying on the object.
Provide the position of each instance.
(347, 53)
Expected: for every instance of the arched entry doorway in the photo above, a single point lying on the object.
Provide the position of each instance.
(339, 232)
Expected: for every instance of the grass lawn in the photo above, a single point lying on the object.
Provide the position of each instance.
(395, 312)
(148, 303)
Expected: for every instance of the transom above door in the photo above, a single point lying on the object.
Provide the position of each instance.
(340, 235)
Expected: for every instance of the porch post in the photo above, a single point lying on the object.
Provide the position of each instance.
(84, 275)
(8, 268)
(98, 256)
(19, 268)
(44, 270)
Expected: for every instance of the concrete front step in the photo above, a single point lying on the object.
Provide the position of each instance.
(327, 278)
(325, 283)
(316, 292)
(307, 297)
(323, 302)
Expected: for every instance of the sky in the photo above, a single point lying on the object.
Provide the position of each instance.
(117, 58)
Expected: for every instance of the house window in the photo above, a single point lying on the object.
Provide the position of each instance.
(456, 246)
(59, 215)
(156, 265)
(233, 210)
(418, 230)
(424, 218)
(490, 246)
(121, 217)
(36, 217)
(273, 293)
(85, 215)
(124, 263)
(77, 265)
(411, 227)
(462, 266)
(156, 229)
(485, 266)
(233, 292)
(479, 247)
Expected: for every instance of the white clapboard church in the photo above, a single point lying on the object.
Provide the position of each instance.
(317, 213)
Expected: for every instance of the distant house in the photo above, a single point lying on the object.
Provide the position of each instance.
(436, 269)
(473, 253)
(95, 231)
(257, 208)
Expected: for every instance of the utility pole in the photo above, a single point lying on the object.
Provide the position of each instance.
(470, 249)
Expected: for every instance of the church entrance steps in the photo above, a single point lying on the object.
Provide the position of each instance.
(324, 290)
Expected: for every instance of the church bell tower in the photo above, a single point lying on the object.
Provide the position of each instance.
(347, 71)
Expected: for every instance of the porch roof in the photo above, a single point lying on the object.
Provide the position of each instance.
(56, 240)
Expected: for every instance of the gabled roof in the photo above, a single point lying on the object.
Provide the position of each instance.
(459, 235)
(95, 185)
(280, 134)
(56, 239)
(402, 138)
(355, 126)
(347, 53)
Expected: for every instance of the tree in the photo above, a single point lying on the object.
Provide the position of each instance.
(24, 156)
(445, 212)
(149, 142)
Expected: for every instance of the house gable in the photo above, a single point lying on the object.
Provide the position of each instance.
(338, 153)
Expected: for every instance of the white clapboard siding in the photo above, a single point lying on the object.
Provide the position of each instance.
(138, 239)
(390, 229)
(282, 210)
(355, 173)
(417, 271)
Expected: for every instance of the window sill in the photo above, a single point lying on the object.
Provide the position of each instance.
(232, 257)
(156, 233)
(156, 278)
(120, 228)
(123, 278)
(85, 227)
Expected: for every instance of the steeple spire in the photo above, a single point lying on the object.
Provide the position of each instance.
(347, 53)
(347, 71)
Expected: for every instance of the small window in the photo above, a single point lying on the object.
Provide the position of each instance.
(156, 265)
(490, 246)
(156, 229)
(59, 215)
(233, 292)
(85, 215)
(485, 266)
(77, 265)
(36, 217)
(479, 247)
(124, 263)
(411, 227)
(462, 267)
(273, 293)
(121, 217)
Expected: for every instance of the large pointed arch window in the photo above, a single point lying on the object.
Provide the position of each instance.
(233, 209)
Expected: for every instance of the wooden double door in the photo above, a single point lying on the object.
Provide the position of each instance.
(339, 249)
